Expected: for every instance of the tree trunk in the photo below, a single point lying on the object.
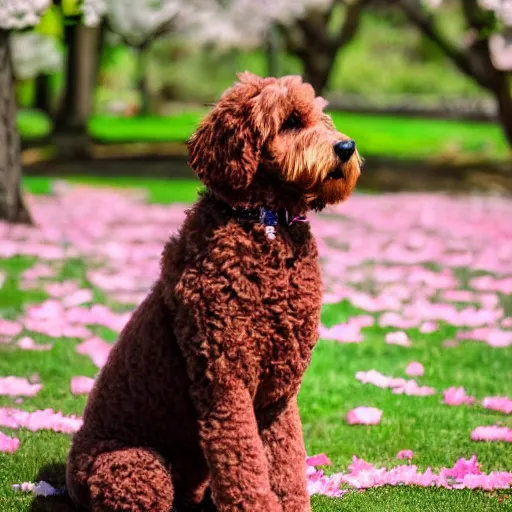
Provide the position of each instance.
(70, 131)
(82, 48)
(100, 43)
(504, 99)
(317, 68)
(42, 94)
(272, 52)
(12, 205)
(142, 80)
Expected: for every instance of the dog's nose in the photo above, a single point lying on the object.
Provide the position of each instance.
(345, 149)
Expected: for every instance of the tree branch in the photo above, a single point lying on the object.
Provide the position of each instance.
(351, 23)
(461, 58)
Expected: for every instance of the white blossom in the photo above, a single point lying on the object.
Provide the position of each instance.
(501, 51)
(223, 22)
(17, 14)
(245, 22)
(93, 11)
(34, 53)
(137, 20)
(502, 9)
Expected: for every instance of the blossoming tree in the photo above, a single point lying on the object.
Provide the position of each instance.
(13, 15)
(228, 23)
(17, 15)
(317, 37)
(304, 26)
(484, 53)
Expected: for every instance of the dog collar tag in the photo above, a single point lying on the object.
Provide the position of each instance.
(269, 219)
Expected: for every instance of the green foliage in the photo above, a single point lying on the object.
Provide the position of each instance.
(52, 23)
(33, 124)
(399, 137)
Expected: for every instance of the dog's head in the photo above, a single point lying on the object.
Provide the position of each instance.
(271, 135)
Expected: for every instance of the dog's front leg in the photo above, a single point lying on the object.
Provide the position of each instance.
(239, 475)
(281, 432)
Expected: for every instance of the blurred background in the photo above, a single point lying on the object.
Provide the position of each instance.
(423, 84)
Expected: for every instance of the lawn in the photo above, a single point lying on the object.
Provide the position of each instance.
(392, 263)
(384, 136)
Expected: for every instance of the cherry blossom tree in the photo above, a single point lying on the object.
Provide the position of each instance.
(303, 27)
(82, 38)
(484, 52)
(34, 53)
(139, 23)
(13, 15)
(18, 15)
(226, 23)
(317, 37)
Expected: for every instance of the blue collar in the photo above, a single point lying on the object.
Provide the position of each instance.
(268, 218)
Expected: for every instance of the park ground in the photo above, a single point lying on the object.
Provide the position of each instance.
(424, 258)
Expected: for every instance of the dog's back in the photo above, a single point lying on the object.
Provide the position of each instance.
(263, 298)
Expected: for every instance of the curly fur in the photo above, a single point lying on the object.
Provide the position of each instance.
(196, 408)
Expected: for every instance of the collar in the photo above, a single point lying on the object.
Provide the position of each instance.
(269, 218)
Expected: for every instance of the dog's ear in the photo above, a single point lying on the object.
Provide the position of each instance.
(225, 150)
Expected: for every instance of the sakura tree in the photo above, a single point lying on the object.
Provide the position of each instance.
(34, 53)
(317, 38)
(14, 14)
(245, 22)
(484, 51)
(226, 23)
(312, 30)
(17, 15)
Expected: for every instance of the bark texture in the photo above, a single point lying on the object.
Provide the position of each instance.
(12, 205)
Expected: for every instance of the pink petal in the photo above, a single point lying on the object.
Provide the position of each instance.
(59, 290)
(81, 385)
(37, 271)
(398, 338)
(457, 396)
(364, 416)
(97, 349)
(462, 468)
(78, 297)
(9, 328)
(16, 386)
(411, 388)
(42, 488)
(318, 460)
(27, 343)
(498, 403)
(428, 327)
(415, 369)
(405, 454)
(8, 444)
(492, 433)
(39, 420)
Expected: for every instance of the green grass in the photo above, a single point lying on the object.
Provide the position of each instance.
(158, 190)
(397, 137)
(438, 434)
(33, 124)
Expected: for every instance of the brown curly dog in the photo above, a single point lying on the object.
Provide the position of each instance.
(196, 408)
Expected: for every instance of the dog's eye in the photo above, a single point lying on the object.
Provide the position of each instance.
(293, 122)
